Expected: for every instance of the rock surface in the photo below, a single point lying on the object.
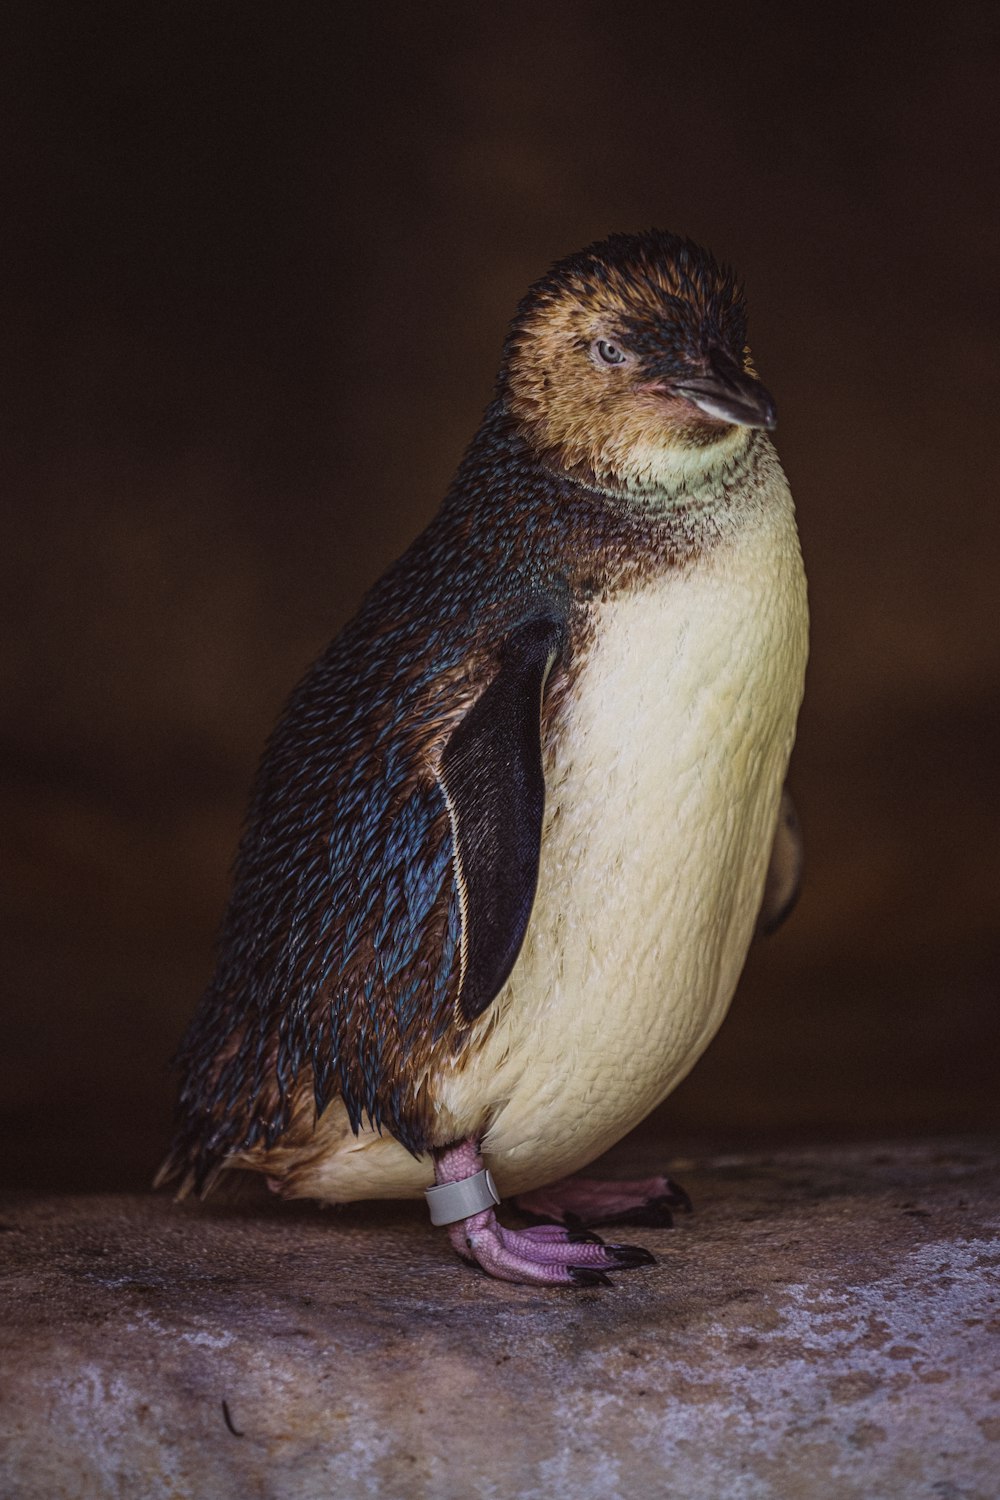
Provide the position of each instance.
(825, 1324)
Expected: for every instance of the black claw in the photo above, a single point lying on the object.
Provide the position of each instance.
(628, 1256)
(676, 1197)
(652, 1215)
(658, 1212)
(584, 1276)
(580, 1236)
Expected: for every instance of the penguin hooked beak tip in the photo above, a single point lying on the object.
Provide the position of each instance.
(726, 393)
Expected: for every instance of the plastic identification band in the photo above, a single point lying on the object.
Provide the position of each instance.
(451, 1201)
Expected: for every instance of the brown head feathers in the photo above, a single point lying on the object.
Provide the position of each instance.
(616, 357)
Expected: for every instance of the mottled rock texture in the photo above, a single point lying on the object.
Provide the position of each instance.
(825, 1324)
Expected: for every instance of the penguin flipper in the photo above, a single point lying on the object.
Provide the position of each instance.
(491, 771)
(784, 872)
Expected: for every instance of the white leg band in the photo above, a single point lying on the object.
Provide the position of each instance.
(451, 1201)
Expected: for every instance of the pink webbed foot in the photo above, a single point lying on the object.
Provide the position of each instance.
(589, 1201)
(541, 1255)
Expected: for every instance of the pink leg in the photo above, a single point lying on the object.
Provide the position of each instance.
(586, 1201)
(544, 1254)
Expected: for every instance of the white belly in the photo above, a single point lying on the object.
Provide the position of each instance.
(661, 807)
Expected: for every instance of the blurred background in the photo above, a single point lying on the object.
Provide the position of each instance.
(258, 263)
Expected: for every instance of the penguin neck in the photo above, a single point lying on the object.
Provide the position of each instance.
(693, 480)
(511, 502)
(660, 482)
(679, 482)
(684, 489)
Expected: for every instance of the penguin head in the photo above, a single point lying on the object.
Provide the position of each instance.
(627, 364)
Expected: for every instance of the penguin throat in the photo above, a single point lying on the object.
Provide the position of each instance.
(663, 480)
(663, 476)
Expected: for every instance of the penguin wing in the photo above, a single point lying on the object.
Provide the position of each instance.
(491, 771)
(784, 873)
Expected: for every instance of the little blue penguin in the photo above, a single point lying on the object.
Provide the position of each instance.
(517, 828)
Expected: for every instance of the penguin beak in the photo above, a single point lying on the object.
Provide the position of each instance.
(727, 393)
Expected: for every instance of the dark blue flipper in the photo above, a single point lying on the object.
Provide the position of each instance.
(492, 775)
(784, 873)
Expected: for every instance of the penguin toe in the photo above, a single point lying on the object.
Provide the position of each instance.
(628, 1256)
(581, 1276)
(656, 1214)
(581, 1203)
(544, 1254)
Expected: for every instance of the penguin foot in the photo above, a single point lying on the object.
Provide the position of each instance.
(544, 1254)
(541, 1255)
(583, 1202)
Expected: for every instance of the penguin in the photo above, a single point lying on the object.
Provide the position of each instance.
(516, 829)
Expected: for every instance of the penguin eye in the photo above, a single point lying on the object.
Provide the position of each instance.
(606, 353)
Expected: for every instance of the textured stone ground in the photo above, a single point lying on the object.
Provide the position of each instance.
(825, 1324)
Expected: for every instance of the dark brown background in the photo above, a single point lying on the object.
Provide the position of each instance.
(259, 260)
